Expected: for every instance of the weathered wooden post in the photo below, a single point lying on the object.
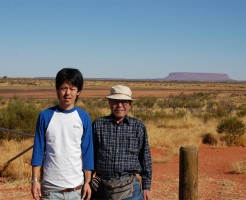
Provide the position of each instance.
(188, 173)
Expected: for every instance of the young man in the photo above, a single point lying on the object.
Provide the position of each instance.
(122, 149)
(63, 145)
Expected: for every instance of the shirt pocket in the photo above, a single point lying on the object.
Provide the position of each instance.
(132, 145)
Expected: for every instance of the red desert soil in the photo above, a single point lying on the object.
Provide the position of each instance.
(216, 182)
(101, 93)
(87, 93)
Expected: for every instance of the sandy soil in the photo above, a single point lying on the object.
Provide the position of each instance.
(215, 178)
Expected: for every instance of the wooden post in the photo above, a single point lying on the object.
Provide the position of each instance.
(188, 173)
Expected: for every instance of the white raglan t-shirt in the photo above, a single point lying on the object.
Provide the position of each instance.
(63, 132)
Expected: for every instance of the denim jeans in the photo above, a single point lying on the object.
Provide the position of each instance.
(137, 193)
(51, 195)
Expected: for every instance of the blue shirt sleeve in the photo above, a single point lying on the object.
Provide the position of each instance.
(39, 140)
(87, 141)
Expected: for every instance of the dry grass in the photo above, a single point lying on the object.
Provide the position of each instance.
(20, 167)
(161, 159)
(173, 134)
(238, 167)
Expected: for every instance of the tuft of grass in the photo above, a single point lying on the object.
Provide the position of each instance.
(161, 159)
(240, 141)
(238, 167)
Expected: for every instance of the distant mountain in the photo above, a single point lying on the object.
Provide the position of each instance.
(190, 76)
(173, 76)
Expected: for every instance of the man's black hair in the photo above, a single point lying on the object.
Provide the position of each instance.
(70, 75)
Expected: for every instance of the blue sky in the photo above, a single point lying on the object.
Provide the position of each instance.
(122, 38)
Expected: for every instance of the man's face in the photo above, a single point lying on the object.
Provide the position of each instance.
(67, 94)
(119, 108)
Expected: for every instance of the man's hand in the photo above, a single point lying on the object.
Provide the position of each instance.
(86, 191)
(146, 194)
(36, 190)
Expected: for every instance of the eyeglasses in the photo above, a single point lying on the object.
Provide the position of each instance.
(122, 102)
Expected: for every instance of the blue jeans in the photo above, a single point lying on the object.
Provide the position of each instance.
(51, 195)
(137, 192)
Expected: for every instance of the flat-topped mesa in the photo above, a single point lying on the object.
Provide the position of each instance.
(190, 76)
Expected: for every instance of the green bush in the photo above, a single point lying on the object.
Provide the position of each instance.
(18, 116)
(241, 110)
(95, 107)
(146, 102)
(191, 102)
(231, 127)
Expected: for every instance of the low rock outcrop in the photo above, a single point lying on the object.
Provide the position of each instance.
(190, 76)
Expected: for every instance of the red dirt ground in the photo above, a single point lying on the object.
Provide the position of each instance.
(215, 181)
(87, 93)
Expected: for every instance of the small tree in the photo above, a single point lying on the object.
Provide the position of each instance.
(232, 127)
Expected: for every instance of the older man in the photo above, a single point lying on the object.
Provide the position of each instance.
(122, 150)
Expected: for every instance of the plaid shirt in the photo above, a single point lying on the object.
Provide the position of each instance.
(122, 149)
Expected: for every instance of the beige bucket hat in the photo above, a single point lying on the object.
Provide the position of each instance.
(120, 92)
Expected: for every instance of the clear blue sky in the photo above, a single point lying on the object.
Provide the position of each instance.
(122, 38)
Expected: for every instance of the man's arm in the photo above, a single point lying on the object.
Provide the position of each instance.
(36, 187)
(86, 187)
(146, 162)
(146, 194)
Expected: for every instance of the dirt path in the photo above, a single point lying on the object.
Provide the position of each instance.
(215, 179)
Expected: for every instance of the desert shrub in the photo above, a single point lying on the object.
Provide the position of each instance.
(206, 117)
(241, 140)
(151, 115)
(210, 139)
(18, 116)
(191, 102)
(231, 127)
(143, 114)
(3, 102)
(95, 107)
(176, 102)
(224, 108)
(241, 110)
(146, 102)
(180, 114)
(219, 109)
(161, 103)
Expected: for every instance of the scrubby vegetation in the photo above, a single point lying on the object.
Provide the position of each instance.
(232, 128)
(186, 119)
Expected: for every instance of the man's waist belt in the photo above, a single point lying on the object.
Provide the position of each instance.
(72, 189)
(117, 177)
